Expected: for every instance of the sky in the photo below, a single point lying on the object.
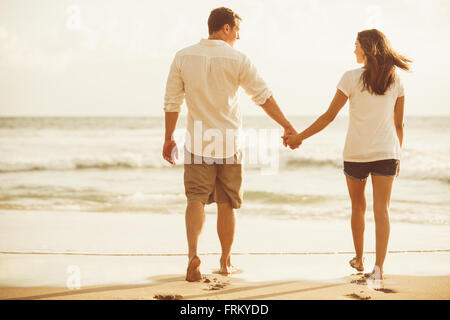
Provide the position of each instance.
(111, 58)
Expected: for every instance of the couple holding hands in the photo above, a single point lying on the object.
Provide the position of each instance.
(208, 75)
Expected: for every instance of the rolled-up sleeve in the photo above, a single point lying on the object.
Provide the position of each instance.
(174, 88)
(252, 83)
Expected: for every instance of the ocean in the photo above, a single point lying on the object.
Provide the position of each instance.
(114, 165)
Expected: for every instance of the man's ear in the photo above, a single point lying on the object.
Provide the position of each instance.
(226, 27)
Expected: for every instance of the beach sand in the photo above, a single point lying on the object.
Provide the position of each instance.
(275, 282)
(139, 256)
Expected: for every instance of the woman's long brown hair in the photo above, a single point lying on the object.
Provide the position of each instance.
(381, 59)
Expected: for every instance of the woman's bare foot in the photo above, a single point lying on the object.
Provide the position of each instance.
(357, 263)
(193, 270)
(225, 266)
(226, 270)
(376, 274)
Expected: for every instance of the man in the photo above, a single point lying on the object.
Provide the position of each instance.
(208, 75)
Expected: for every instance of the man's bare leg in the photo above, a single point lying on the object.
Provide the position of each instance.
(195, 219)
(226, 222)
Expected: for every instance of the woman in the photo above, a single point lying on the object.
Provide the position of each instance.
(374, 136)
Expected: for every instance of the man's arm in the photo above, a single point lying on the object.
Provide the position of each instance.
(257, 89)
(172, 106)
(273, 110)
(170, 150)
(171, 124)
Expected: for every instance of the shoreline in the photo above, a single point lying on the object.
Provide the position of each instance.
(141, 233)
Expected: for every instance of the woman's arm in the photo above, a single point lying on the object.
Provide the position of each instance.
(398, 121)
(398, 118)
(324, 120)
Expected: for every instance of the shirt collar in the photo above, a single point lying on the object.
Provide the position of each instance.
(213, 43)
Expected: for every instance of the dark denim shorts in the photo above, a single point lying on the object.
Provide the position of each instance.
(361, 170)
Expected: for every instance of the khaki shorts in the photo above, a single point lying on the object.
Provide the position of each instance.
(213, 182)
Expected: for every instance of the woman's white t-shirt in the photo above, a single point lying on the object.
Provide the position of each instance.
(371, 133)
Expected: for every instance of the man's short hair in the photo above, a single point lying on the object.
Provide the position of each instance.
(220, 17)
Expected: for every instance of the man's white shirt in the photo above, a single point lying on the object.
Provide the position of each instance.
(208, 75)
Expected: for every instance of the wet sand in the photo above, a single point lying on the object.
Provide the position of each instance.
(138, 256)
(261, 277)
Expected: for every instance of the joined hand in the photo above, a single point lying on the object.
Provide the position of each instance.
(290, 138)
(293, 140)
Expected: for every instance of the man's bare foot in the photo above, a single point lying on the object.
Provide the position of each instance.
(358, 264)
(193, 270)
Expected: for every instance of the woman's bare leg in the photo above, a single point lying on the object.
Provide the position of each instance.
(382, 188)
(356, 191)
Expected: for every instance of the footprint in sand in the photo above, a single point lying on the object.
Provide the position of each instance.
(357, 296)
(364, 281)
(215, 284)
(359, 281)
(385, 290)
